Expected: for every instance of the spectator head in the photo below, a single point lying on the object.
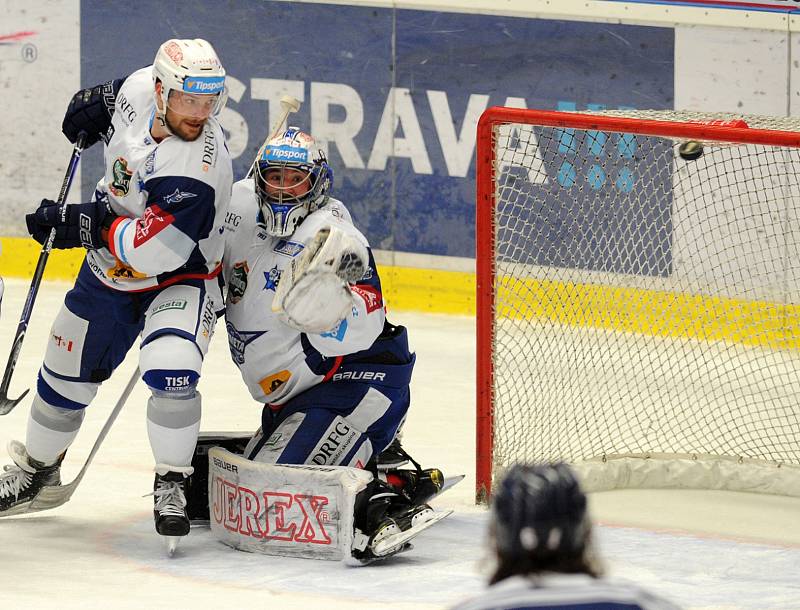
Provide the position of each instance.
(540, 523)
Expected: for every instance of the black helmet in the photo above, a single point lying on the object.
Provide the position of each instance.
(539, 511)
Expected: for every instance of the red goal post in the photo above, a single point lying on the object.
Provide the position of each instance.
(598, 246)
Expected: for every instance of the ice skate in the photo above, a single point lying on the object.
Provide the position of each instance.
(169, 511)
(394, 456)
(388, 522)
(22, 480)
(419, 486)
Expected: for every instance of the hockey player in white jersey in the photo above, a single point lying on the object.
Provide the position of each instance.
(153, 235)
(307, 328)
(541, 540)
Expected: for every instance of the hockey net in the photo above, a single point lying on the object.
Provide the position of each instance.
(639, 312)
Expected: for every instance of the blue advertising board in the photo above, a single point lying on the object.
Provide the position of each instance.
(394, 95)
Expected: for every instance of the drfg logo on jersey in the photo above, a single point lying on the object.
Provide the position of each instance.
(299, 511)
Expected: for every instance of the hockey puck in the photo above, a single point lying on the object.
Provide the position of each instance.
(690, 150)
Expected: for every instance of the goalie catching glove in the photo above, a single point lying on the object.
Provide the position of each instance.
(77, 224)
(313, 294)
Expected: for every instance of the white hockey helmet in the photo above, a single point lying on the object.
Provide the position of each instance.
(281, 209)
(190, 66)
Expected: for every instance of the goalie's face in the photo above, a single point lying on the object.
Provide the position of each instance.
(283, 194)
(286, 183)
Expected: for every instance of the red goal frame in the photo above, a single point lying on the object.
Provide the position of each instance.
(485, 228)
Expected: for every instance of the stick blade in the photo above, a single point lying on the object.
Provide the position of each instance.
(7, 404)
(51, 496)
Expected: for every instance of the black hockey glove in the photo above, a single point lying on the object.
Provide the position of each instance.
(78, 225)
(90, 110)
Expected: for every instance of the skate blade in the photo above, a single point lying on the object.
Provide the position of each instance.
(450, 482)
(393, 544)
(171, 544)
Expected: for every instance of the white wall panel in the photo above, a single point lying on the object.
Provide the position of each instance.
(719, 69)
(39, 71)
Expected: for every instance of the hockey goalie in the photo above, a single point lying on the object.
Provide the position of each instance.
(307, 329)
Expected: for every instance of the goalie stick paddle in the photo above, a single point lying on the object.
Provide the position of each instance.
(6, 403)
(289, 105)
(51, 496)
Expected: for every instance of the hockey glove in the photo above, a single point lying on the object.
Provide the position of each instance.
(313, 293)
(77, 224)
(90, 110)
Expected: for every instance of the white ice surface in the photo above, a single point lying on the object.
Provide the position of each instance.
(703, 549)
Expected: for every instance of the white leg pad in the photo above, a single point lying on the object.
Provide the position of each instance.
(295, 511)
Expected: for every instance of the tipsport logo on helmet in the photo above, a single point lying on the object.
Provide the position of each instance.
(204, 84)
(286, 153)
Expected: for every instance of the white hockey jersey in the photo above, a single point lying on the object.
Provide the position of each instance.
(171, 197)
(278, 362)
(565, 592)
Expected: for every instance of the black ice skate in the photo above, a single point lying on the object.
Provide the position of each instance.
(22, 480)
(169, 510)
(394, 456)
(419, 486)
(386, 521)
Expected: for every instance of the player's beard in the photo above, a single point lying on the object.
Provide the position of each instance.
(186, 128)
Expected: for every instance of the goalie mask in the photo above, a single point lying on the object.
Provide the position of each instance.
(292, 178)
(192, 77)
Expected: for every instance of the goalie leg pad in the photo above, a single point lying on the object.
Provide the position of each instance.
(295, 511)
(197, 482)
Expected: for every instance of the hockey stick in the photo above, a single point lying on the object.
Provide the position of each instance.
(6, 403)
(51, 496)
(289, 105)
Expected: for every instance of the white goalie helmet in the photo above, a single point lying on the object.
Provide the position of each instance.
(190, 66)
(292, 179)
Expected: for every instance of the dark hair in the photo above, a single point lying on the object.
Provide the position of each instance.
(582, 561)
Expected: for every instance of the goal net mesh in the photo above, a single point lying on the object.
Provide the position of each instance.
(646, 308)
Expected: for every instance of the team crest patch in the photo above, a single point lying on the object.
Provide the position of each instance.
(121, 271)
(288, 248)
(153, 222)
(238, 341)
(238, 282)
(121, 177)
(272, 278)
(274, 382)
